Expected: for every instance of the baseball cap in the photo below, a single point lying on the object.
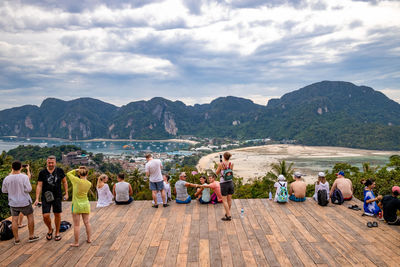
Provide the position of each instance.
(297, 174)
(340, 173)
(281, 178)
(396, 188)
(321, 174)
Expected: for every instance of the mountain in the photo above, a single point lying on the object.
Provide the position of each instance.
(323, 113)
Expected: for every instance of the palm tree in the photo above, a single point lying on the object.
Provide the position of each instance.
(280, 168)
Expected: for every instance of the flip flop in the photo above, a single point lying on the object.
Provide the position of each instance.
(375, 224)
(369, 224)
(57, 238)
(22, 226)
(33, 239)
(17, 242)
(49, 236)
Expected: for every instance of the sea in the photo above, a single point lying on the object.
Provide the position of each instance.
(107, 147)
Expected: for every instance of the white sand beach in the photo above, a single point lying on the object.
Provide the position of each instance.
(251, 162)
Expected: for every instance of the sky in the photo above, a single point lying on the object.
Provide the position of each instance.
(194, 51)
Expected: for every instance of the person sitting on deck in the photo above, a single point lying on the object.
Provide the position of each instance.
(297, 189)
(122, 191)
(104, 194)
(167, 188)
(216, 196)
(321, 184)
(370, 201)
(182, 196)
(344, 185)
(390, 205)
(203, 193)
(281, 196)
(80, 202)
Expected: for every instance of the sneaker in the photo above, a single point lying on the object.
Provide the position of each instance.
(33, 239)
(165, 205)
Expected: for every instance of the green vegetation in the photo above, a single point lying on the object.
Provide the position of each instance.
(31, 152)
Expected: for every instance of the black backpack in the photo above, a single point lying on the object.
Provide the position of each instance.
(6, 230)
(337, 197)
(323, 197)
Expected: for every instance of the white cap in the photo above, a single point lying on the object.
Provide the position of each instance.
(297, 174)
(321, 174)
(281, 177)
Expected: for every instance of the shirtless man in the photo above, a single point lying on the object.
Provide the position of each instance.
(344, 185)
(297, 189)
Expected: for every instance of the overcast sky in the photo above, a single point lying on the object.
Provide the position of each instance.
(193, 50)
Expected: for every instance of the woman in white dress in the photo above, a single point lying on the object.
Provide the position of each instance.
(104, 194)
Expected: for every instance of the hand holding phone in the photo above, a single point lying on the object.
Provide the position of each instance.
(220, 158)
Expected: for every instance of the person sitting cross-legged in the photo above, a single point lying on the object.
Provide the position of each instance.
(297, 189)
(122, 191)
(390, 206)
(182, 196)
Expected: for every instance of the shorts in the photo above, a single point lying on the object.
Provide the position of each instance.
(348, 199)
(396, 222)
(124, 202)
(203, 202)
(157, 186)
(227, 188)
(27, 210)
(187, 201)
(295, 199)
(56, 204)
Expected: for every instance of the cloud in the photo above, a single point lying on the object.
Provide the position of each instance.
(194, 49)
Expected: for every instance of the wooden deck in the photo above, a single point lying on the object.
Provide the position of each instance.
(298, 234)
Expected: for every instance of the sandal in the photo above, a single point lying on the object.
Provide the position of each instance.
(33, 239)
(21, 225)
(57, 238)
(155, 206)
(375, 224)
(369, 224)
(227, 218)
(49, 236)
(17, 242)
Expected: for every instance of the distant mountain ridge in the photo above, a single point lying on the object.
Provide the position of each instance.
(323, 113)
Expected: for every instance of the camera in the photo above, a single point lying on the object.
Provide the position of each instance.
(220, 158)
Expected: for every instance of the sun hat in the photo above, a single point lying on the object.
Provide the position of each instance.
(281, 177)
(321, 174)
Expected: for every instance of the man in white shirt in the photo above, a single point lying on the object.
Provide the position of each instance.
(153, 171)
(18, 186)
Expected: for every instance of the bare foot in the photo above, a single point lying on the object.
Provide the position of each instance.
(89, 241)
(75, 245)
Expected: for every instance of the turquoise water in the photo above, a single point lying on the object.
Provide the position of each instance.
(105, 147)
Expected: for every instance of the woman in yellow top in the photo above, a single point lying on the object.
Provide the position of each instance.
(80, 201)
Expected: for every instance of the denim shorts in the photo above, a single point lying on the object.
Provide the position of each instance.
(157, 186)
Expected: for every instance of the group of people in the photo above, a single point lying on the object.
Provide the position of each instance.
(51, 180)
(341, 190)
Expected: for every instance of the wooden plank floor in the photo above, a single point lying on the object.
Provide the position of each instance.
(269, 234)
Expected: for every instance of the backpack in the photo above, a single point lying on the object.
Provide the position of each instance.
(322, 197)
(283, 194)
(228, 173)
(337, 197)
(6, 230)
(64, 226)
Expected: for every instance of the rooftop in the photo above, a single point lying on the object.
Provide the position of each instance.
(269, 234)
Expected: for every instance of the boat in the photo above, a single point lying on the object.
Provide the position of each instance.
(128, 147)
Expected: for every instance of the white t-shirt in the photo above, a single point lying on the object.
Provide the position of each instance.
(17, 186)
(122, 191)
(153, 167)
(321, 186)
(278, 187)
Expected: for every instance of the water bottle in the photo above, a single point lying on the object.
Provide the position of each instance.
(270, 196)
(242, 213)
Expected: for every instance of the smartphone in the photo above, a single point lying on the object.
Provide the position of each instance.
(24, 165)
(220, 158)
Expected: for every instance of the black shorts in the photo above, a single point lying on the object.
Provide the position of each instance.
(27, 210)
(227, 188)
(56, 204)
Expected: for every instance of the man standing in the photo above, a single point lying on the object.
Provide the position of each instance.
(344, 185)
(153, 171)
(49, 184)
(18, 186)
(297, 189)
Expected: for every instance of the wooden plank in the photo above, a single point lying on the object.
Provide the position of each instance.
(278, 251)
(204, 253)
(85, 259)
(193, 246)
(249, 258)
(161, 254)
(224, 248)
(173, 236)
(184, 242)
(150, 256)
(181, 260)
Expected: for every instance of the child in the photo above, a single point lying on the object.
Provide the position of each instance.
(80, 202)
(203, 193)
(105, 196)
(281, 183)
